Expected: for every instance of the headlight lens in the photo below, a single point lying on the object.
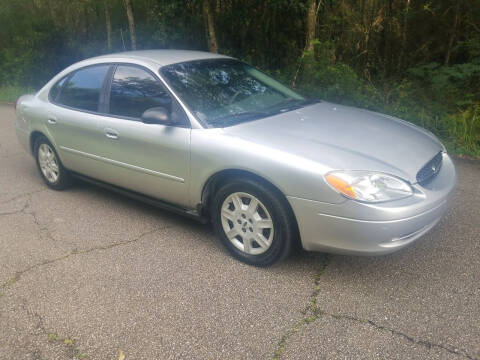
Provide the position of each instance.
(368, 186)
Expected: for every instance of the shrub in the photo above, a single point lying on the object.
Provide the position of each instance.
(442, 99)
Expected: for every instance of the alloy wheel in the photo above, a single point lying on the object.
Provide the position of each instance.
(48, 163)
(247, 223)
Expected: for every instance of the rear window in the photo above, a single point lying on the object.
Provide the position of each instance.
(82, 90)
(55, 90)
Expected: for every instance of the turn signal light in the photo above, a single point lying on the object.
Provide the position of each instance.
(341, 185)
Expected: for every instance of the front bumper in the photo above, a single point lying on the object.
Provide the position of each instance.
(374, 229)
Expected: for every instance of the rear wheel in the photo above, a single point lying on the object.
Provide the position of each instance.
(253, 222)
(50, 166)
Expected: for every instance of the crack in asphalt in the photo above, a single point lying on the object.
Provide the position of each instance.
(67, 343)
(6, 285)
(14, 211)
(45, 229)
(428, 344)
(312, 313)
(33, 214)
(19, 196)
(73, 351)
(37, 222)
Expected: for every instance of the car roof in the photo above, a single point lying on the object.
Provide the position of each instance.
(164, 57)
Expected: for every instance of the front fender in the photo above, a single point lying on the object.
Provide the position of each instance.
(213, 151)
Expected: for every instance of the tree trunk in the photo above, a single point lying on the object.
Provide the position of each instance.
(405, 23)
(210, 27)
(86, 32)
(311, 30)
(108, 25)
(403, 48)
(131, 24)
(52, 12)
(311, 24)
(453, 35)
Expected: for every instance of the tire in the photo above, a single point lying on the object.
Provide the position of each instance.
(239, 226)
(48, 163)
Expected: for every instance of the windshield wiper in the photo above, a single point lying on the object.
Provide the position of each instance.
(238, 117)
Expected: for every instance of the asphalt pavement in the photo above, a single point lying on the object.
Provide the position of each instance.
(89, 274)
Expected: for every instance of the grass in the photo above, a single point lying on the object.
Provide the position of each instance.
(74, 352)
(11, 93)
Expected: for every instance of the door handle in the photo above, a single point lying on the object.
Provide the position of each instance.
(52, 120)
(111, 134)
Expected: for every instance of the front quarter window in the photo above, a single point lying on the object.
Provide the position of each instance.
(221, 92)
(134, 90)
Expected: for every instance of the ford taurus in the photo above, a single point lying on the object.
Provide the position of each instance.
(213, 138)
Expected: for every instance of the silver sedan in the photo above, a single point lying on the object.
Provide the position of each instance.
(215, 139)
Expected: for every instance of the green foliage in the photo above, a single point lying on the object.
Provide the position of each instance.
(442, 99)
(325, 78)
(418, 60)
(455, 85)
(445, 100)
(11, 93)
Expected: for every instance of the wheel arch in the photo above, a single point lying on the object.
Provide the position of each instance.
(219, 178)
(33, 137)
(35, 134)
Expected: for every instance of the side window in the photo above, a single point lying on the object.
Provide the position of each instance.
(82, 90)
(55, 89)
(135, 90)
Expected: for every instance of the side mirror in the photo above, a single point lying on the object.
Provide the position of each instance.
(157, 115)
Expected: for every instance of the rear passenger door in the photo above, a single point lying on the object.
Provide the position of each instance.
(151, 159)
(73, 118)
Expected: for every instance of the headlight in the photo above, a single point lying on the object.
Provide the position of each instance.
(368, 186)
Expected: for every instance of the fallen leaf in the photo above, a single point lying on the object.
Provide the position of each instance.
(121, 355)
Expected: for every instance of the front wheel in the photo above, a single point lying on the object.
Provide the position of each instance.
(253, 222)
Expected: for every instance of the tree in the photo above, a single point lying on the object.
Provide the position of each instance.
(311, 23)
(453, 34)
(419, 60)
(108, 25)
(210, 26)
(131, 24)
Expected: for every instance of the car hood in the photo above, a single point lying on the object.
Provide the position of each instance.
(342, 137)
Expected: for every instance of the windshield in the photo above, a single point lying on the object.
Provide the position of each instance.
(224, 92)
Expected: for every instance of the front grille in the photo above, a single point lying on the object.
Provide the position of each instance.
(430, 169)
